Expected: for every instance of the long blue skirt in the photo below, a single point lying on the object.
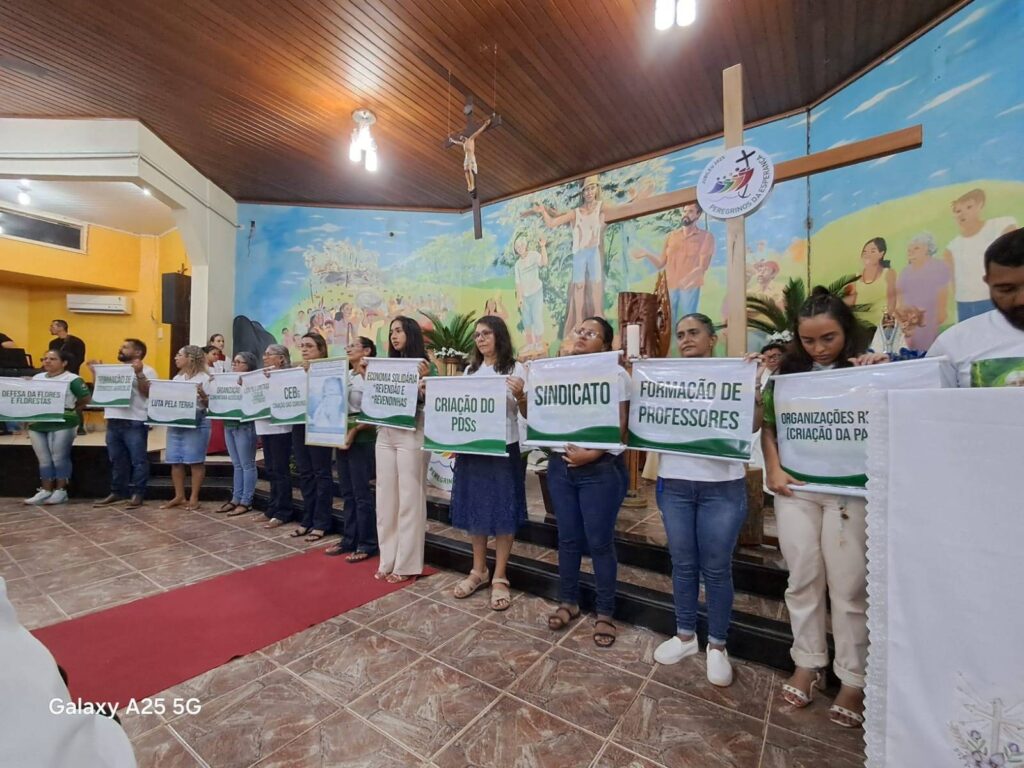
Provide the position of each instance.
(489, 493)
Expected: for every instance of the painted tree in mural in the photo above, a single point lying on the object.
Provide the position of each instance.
(616, 187)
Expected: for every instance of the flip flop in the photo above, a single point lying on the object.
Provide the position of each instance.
(227, 506)
(357, 557)
(274, 523)
(300, 531)
(314, 536)
(240, 509)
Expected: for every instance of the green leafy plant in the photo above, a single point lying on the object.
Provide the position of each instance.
(457, 334)
(767, 316)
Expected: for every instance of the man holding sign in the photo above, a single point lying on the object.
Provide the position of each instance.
(475, 417)
(127, 432)
(579, 405)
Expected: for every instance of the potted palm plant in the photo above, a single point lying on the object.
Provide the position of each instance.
(451, 342)
(763, 314)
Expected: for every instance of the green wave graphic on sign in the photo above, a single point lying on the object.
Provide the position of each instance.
(610, 435)
(721, 447)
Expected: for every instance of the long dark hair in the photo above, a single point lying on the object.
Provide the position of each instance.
(821, 302)
(883, 248)
(414, 344)
(607, 332)
(506, 356)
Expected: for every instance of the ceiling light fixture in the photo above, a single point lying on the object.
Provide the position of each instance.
(25, 183)
(664, 14)
(686, 12)
(362, 144)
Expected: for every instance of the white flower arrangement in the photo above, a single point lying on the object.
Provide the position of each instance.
(781, 337)
(447, 352)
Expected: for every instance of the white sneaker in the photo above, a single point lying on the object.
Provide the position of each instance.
(719, 668)
(41, 495)
(60, 496)
(674, 650)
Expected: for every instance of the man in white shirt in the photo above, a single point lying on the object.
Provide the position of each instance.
(965, 253)
(127, 433)
(988, 350)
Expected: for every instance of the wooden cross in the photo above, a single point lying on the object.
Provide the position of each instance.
(830, 159)
(471, 128)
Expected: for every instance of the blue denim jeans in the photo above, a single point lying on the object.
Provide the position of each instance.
(586, 502)
(53, 450)
(356, 468)
(240, 439)
(129, 464)
(315, 480)
(684, 302)
(277, 454)
(702, 521)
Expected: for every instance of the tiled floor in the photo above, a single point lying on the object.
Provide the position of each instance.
(414, 679)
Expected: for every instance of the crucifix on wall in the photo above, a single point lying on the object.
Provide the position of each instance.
(830, 159)
(467, 140)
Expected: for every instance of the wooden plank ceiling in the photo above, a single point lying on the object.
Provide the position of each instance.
(258, 94)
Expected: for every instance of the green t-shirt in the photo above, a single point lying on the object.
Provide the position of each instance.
(77, 389)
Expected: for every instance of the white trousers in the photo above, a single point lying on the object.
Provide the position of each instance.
(401, 500)
(823, 538)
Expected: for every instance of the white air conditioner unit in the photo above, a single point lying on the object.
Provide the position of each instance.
(99, 305)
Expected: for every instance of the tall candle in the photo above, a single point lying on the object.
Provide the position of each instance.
(633, 341)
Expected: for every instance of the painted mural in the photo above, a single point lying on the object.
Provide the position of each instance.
(911, 227)
(914, 227)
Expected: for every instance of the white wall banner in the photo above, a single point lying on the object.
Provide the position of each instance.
(574, 399)
(821, 419)
(225, 394)
(32, 400)
(466, 414)
(113, 386)
(172, 404)
(287, 396)
(695, 406)
(327, 403)
(945, 677)
(391, 393)
(255, 395)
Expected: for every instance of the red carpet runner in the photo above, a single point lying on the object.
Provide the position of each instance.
(147, 646)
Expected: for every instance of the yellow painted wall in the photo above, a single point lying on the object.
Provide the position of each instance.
(111, 260)
(117, 262)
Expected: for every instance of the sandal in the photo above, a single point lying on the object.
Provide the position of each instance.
(357, 557)
(315, 536)
(847, 718)
(300, 531)
(275, 522)
(240, 509)
(227, 506)
(381, 576)
(337, 549)
(501, 596)
(799, 699)
(394, 578)
(562, 617)
(470, 584)
(603, 638)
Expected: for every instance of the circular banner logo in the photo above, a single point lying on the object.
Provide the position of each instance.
(735, 182)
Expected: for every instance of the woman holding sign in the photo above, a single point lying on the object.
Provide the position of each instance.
(402, 474)
(52, 441)
(703, 503)
(822, 536)
(240, 439)
(313, 461)
(187, 445)
(489, 492)
(277, 448)
(587, 487)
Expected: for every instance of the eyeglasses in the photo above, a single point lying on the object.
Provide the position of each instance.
(585, 333)
(482, 334)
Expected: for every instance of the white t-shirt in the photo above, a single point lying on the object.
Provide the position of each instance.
(264, 427)
(672, 466)
(202, 378)
(136, 410)
(70, 401)
(356, 387)
(983, 337)
(511, 408)
(527, 271)
(969, 258)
